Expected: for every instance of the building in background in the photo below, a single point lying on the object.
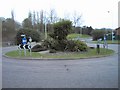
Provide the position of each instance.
(118, 31)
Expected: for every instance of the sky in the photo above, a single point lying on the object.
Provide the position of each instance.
(95, 13)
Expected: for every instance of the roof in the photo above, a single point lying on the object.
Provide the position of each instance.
(117, 28)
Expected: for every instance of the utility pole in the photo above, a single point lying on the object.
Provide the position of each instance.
(45, 30)
(45, 27)
(111, 28)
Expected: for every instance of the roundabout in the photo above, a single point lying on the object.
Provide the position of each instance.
(88, 73)
(45, 55)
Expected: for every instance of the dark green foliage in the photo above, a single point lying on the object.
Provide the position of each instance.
(54, 44)
(49, 43)
(71, 46)
(27, 23)
(29, 33)
(59, 41)
(9, 29)
(52, 51)
(38, 48)
(46, 43)
(97, 34)
(66, 45)
(60, 45)
(76, 46)
(81, 45)
(61, 29)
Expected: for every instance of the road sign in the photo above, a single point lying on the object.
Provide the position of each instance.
(24, 41)
(30, 39)
(104, 37)
(25, 46)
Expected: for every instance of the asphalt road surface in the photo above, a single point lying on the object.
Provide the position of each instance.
(84, 73)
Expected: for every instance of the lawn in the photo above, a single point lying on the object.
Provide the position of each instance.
(62, 55)
(73, 36)
(109, 42)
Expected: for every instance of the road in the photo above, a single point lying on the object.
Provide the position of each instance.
(84, 73)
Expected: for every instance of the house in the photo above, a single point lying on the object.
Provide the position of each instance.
(118, 31)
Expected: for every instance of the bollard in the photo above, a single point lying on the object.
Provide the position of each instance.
(98, 48)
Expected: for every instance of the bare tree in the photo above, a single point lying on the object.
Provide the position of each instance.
(76, 19)
(13, 20)
(29, 20)
(41, 21)
(38, 18)
(38, 21)
(34, 20)
(53, 16)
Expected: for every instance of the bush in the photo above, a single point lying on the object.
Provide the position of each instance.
(71, 46)
(76, 46)
(61, 29)
(52, 51)
(81, 45)
(29, 33)
(49, 44)
(38, 48)
(58, 45)
(46, 43)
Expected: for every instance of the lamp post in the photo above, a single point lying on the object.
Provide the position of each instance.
(111, 28)
(30, 40)
(81, 32)
(45, 30)
(45, 27)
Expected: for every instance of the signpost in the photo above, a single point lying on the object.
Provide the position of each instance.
(98, 45)
(24, 45)
(30, 40)
(105, 45)
(24, 42)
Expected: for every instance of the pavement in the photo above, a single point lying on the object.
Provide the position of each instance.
(83, 73)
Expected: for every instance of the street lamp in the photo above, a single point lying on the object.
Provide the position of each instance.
(45, 30)
(111, 28)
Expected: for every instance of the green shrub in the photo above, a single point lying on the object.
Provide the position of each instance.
(46, 43)
(55, 44)
(81, 45)
(38, 48)
(76, 46)
(49, 43)
(61, 29)
(29, 33)
(52, 51)
(71, 46)
(59, 41)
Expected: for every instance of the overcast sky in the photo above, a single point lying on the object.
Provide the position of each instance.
(94, 12)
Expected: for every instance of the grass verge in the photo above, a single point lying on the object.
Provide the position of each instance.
(73, 36)
(62, 55)
(109, 42)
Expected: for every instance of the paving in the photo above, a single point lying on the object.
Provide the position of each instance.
(83, 73)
